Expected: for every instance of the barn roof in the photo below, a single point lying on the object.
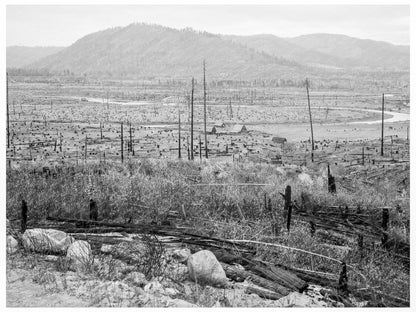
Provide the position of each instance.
(238, 128)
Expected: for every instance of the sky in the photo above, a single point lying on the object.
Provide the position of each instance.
(62, 25)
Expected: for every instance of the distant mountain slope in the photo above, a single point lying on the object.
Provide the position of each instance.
(150, 50)
(19, 56)
(281, 47)
(140, 50)
(356, 52)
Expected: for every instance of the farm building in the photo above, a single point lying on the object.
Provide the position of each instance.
(239, 129)
(214, 130)
(279, 140)
(219, 124)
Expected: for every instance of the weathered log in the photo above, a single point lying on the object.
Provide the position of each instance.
(262, 293)
(238, 274)
(281, 276)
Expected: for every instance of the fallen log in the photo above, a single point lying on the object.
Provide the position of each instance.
(236, 274)
(262, 293)
(281, 276)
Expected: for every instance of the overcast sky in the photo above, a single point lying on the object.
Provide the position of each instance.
(49, 25)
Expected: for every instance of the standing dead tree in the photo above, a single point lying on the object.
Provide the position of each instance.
(179, 133)
(122, 143)
(310, 118)
(192, 120)
(205, 115)
(7, 105)
(382, 124)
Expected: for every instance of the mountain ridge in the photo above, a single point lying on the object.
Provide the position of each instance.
(154, 50)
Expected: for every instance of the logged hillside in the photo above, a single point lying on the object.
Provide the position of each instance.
(354, 52)
(328, 50)
(19, 56)
(280, 47)
(142, 50)
(148, 50)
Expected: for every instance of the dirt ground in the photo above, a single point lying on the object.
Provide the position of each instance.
(21, 291)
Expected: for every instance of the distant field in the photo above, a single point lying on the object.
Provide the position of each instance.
(67, 122)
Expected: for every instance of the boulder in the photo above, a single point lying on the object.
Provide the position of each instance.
(80, 255)
(181, 255)
(12, 244)
(204, 268)
(46, 240)
(106, 248)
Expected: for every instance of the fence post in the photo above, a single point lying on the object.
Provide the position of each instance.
(313, 227)
(93, 210)
(288, 206)
(24, 216)
(343, 279)
(331, 182)
(384, 226)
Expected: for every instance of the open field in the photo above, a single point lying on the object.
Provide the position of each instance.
(73, 123)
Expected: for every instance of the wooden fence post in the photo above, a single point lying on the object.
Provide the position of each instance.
(313, 227)
(24, 216)
(331, 182)
(288, 206)
(93, 210)
(343, 279)
(384, 226)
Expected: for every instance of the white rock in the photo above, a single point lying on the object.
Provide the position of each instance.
(44, 240)
(181, 255)
(106, 248)
(204, 268)
(80, 254)
(178, 303)
(296, 299)
(136, 278)
(51, 258)
(12, 244)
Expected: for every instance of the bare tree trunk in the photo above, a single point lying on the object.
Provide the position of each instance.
(179, 134)
(310, 118)
(382, 124)
(205, 115)
(192, 120)
(122, 144)
(7, 105)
